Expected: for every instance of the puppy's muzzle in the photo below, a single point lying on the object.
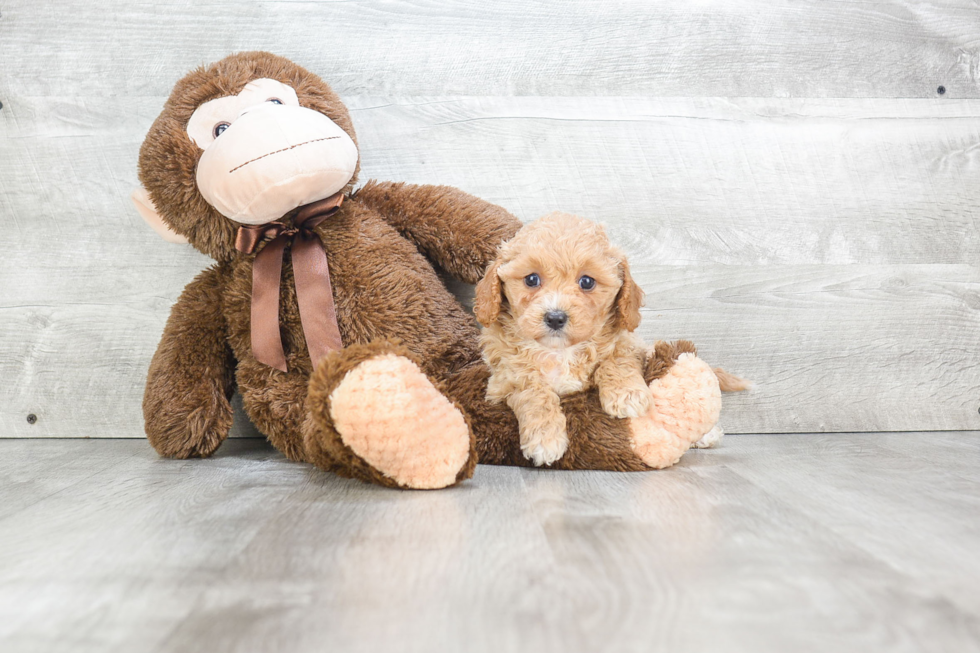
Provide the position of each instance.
(556, 320)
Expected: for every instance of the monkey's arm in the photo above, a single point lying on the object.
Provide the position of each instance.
(186, 406)
(457, 231)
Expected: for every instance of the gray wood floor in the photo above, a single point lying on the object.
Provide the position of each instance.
(771, 543)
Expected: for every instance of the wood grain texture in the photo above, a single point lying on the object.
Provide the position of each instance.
(824, 542)
(784, 48)
(687, 181)
(745, 181)
(819, 235)
(826, 249)
(831, 348)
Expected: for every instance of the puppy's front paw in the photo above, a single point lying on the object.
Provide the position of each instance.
(625, 402)
(544, 444)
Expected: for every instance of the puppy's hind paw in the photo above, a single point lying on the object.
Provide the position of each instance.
(710, 439)
(624, 403)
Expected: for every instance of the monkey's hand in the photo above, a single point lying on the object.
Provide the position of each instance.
(186, 406)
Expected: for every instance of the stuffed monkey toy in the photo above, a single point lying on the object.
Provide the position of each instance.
(324, 308)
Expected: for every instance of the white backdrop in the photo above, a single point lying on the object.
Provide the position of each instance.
(795, 194)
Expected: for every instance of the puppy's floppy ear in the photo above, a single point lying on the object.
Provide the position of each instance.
(489, 296)
(629, 300)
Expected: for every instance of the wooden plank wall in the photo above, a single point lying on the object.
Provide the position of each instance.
(796, 195)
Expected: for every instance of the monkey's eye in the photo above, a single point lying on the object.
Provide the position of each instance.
(220, 128)
(586, 282)
(532, 280)
(274, 100)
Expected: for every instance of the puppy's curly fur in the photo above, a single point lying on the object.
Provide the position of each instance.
(559, 308)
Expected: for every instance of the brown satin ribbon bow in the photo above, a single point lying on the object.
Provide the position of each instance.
(313, 291)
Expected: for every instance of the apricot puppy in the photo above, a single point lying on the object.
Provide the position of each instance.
(559, 308)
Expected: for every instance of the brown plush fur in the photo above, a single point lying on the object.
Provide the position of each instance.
(200, 367)
(381, 247)
(664, 356)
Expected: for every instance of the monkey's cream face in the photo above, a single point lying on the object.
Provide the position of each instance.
(560, 299)
(265, 155)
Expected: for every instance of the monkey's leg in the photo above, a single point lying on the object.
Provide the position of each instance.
(275, 403)
(373, 414)
(595, 439)
(686, 404)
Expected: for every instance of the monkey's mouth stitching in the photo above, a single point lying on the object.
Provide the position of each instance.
(285, 149)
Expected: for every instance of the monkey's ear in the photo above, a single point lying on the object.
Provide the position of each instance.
(144, 205)
(629, 299)
(489, 296)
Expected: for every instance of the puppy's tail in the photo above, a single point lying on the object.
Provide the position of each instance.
(728, 382)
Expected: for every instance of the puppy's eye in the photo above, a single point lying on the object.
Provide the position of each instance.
(274, 100)
(586, 282)
(220, 128)
(532, 280)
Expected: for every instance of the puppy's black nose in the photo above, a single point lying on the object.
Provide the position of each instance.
(556, 320)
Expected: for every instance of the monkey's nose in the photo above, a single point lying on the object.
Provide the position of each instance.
(556, 320)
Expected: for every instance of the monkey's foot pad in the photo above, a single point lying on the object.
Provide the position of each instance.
(389, 413)
(686, 406)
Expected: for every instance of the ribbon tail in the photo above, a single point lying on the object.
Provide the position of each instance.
(314, 294)
(266, 274)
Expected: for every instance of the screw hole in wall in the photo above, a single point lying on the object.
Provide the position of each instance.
(32, 419)
(941, 90)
